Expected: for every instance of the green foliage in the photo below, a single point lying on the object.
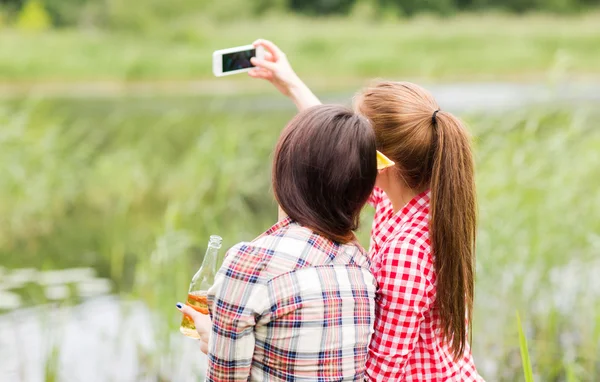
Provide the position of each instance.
(142, 15)
(413, 7)
(321, 7)
(425, 48)
(33, 17)
(134, 186)
(69, 12)
(536, 240)
(527, 370)
(520, 6)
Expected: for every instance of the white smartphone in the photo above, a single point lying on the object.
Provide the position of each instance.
(235, 60)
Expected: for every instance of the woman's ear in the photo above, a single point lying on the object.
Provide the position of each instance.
(382, 180)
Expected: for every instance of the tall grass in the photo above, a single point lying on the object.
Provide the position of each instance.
(527, 370)
(134, 186)
(327, 51)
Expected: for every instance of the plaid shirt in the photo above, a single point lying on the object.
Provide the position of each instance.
(406, 345)
(291, 305)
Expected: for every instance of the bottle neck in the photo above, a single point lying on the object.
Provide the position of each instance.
(212, 253)
(210, 258)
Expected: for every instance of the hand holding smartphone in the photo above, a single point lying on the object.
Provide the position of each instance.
(235, 60)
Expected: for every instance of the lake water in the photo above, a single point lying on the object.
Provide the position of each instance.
(106, 338)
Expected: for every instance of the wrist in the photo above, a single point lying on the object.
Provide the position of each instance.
(297, 87)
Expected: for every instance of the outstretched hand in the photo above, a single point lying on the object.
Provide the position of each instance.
(276, 69)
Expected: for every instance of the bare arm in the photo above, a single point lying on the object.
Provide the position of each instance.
(276, 69)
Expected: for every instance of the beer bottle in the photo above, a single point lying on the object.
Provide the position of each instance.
(201, 282)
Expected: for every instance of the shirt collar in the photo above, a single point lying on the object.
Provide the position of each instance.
(277, 226)
(415, 205)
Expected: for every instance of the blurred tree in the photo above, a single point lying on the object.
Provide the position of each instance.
(520, 6)
(33, 17)
(12, 3)
(412, 7)
(263, 6)
(151, 14)
(10, 9)
(66, 12)
(320, 7)
(366, 10)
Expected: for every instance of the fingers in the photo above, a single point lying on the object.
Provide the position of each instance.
(271, 66)
(260, 73)
(201, 321)
(269, 47)
(189, 311)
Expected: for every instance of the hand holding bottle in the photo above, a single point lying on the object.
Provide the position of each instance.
(201, 321)
(196, 321)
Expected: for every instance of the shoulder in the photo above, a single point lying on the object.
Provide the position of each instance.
(276, 252)
(290, 239)
(243, 252)
(353, 254)
(239, 286)
(244, 262)
(280, 239)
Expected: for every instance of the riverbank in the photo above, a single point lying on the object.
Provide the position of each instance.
(252, 95)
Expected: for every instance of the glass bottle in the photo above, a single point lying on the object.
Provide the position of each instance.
(201, 282)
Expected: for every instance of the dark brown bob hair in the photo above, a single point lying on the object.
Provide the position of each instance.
(324, 170)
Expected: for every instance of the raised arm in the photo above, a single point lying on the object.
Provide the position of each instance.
(276, 69)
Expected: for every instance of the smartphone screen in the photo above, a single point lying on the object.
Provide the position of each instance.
(238, 60)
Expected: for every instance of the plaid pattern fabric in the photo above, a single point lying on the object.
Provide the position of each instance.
(406, 345)
(291, 306)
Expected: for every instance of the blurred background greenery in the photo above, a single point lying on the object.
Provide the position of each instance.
(121, 154)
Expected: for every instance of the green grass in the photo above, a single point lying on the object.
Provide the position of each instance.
(327, 52)
(134, 186)
(527, 370)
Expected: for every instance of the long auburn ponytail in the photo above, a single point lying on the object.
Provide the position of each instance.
(433, 153)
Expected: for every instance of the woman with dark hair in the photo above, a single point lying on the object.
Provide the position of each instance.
(423, 237)
(297, 303)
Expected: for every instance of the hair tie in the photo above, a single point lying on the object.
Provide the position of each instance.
(433, 120)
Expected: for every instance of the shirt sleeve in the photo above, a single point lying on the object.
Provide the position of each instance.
(403, 297)
(235, 300)
(376, 196)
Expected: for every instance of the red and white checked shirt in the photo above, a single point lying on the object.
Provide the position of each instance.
(291, 306)
(407, 345)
